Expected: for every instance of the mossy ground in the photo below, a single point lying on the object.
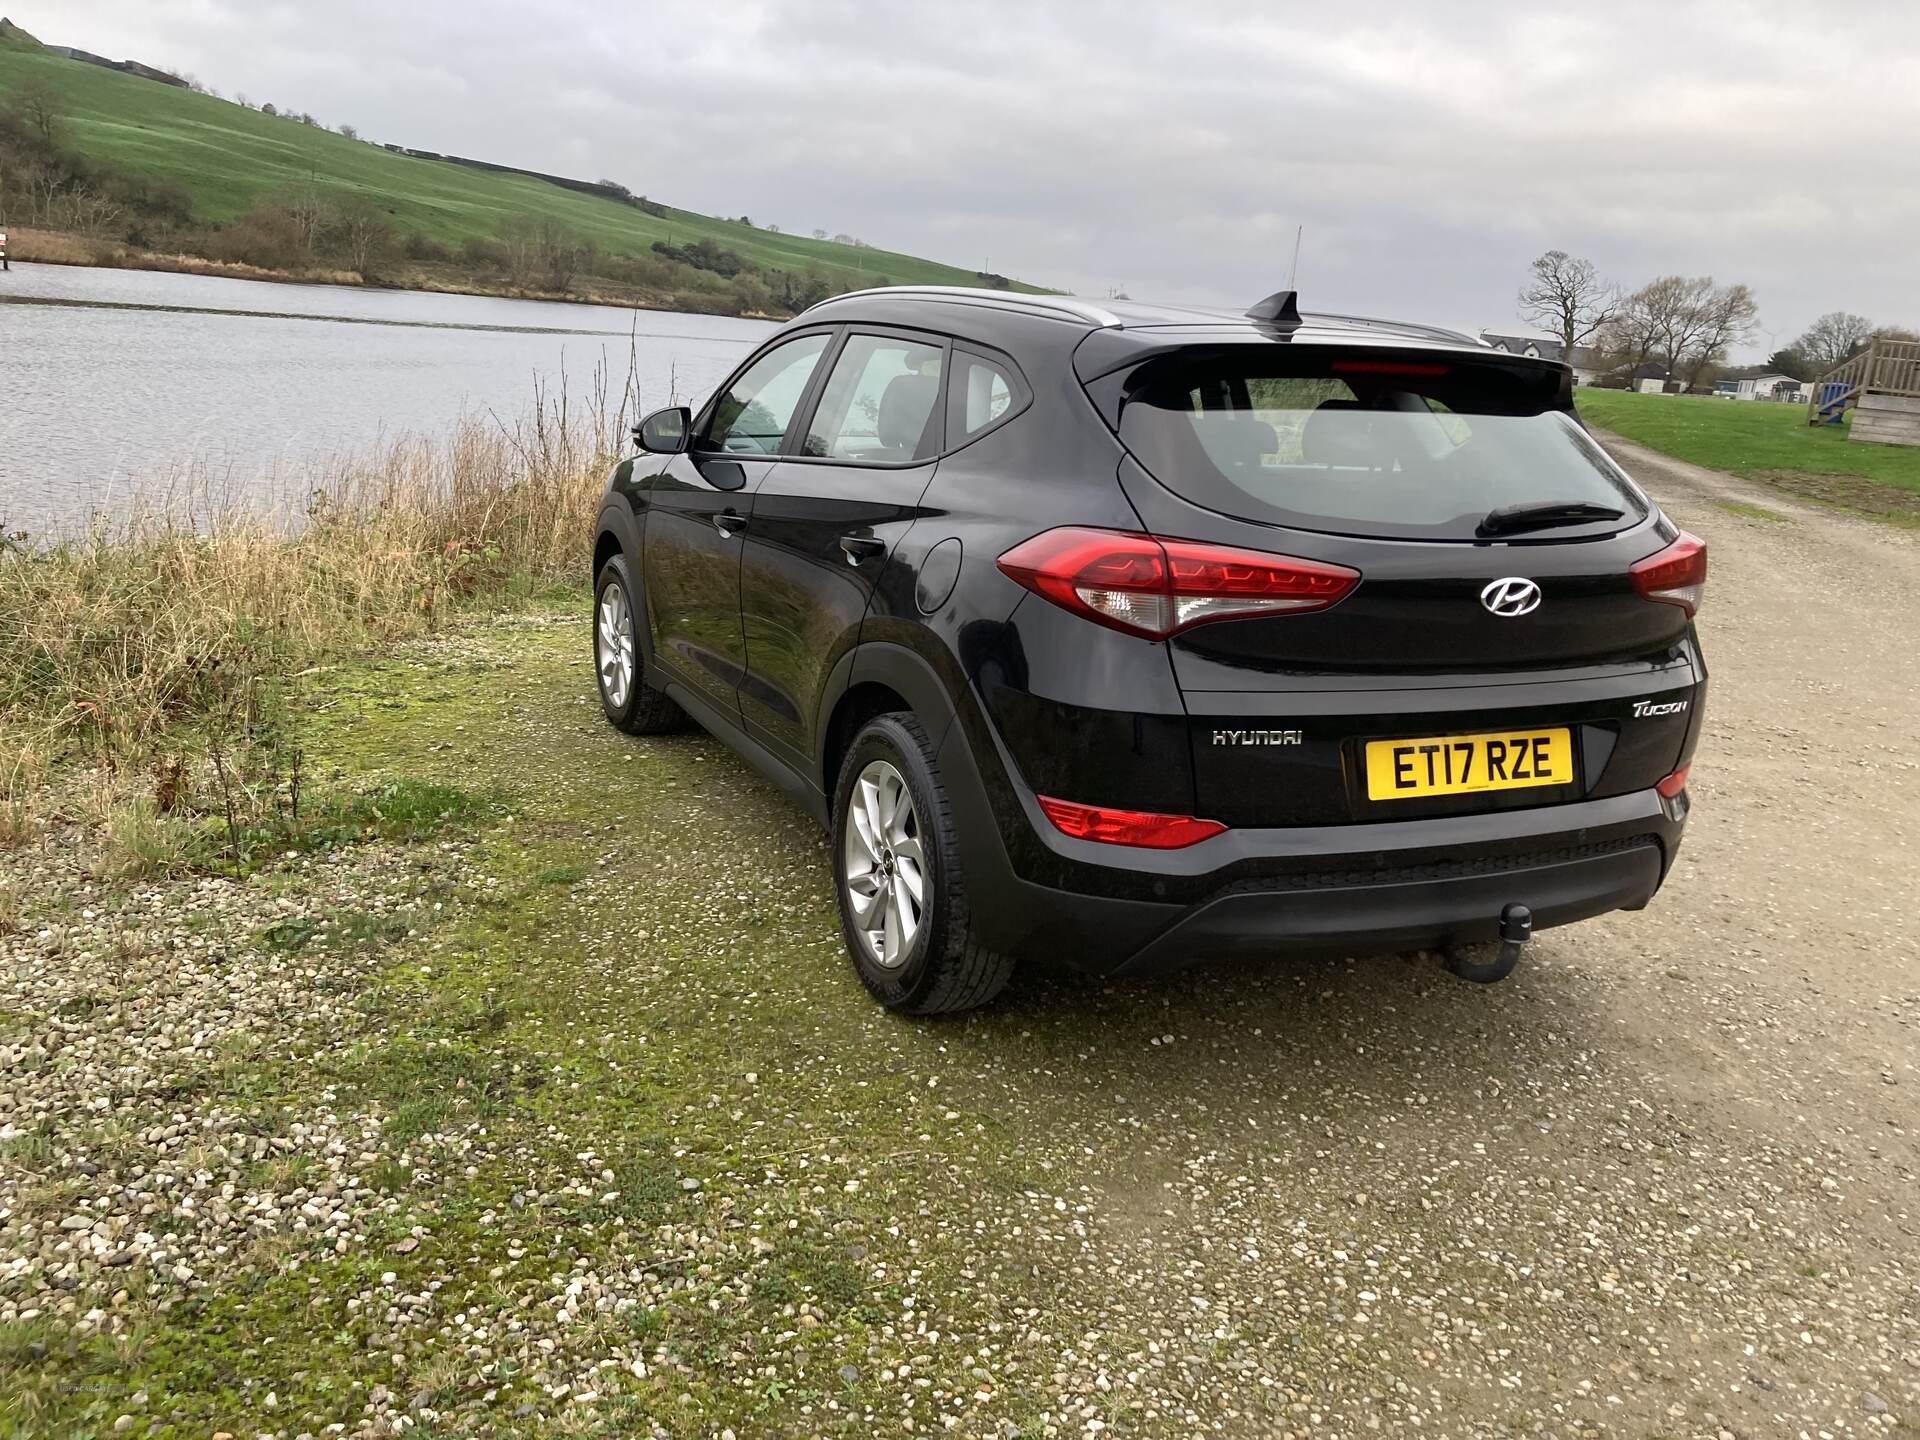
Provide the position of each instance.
(642, 968)
(616, 1144)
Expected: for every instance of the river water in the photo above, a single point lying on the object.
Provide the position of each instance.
(159, 381)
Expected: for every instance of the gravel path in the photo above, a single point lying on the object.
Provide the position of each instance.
(586, 1123)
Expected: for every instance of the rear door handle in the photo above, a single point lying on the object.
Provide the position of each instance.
(861, 547)
(729, 524)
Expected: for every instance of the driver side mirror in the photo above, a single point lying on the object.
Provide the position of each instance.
(665, 432)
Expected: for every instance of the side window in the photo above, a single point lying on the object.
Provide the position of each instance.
(984, 392)
(879, 404)
(755, 412)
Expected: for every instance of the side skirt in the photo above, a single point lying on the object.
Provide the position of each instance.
(797, 787)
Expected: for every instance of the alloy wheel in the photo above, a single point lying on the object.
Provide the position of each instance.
(613, 644)
(887, 889)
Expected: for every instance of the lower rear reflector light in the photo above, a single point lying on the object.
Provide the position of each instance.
(1142, 828)
(1674, 783)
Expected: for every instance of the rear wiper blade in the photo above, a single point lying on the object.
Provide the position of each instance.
(1512, 519)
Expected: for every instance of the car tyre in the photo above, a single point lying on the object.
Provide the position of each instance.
(619, 660)
(893, 831)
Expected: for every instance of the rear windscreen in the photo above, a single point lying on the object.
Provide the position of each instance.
(1364, 446)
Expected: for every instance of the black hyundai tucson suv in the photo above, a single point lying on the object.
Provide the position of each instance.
(1122, 636)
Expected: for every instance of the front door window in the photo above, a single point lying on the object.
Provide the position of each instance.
(754, 414)
(879, 404)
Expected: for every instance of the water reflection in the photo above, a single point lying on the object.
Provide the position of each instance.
(101, 398)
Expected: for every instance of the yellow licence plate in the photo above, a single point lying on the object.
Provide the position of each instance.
(1468, 764)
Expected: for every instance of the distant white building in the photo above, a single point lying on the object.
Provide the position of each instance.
(1766, 387)
(1586, 360)
(1757, 384)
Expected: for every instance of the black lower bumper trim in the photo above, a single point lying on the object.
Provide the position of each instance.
(1404, 913)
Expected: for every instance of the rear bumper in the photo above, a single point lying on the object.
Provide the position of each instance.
(1408, 912)
(1344, 889)
(1435, 902)
(1383, 885)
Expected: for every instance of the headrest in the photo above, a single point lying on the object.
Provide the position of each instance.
(1238, 441)
(1337, 434)
(905, 406)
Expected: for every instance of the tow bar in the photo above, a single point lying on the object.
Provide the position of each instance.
(1516, 928)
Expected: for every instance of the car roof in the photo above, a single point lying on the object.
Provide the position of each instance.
(1198, 323)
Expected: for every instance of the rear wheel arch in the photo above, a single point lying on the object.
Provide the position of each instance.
(861, 703)
(973, 772)
(874, 679)
(909, 846)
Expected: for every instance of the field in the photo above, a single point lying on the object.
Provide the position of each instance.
(1760, 441)
(228, 157)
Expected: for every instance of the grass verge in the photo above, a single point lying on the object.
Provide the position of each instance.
(1766, 442)
(161, 649)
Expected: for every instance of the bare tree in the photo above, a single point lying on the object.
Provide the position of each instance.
(40, 106)
(78, 208)
(311, 211)
(1566, 296)
(1725, 316)
(349, 132)
(520, 246)
(563, 254)
(1685, 322)
(1632, 338)
(43, 183)
(364, 236)
(819, 234)
(1833, 339)
(1681, 308)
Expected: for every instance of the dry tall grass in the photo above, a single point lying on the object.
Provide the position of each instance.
(176, 614)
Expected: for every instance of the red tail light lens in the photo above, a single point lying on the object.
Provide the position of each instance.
(1676, 575)
(1673, 784)
(1146, 585)
(1128, 827)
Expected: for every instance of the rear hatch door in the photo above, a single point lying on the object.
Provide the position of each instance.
(1496, 651)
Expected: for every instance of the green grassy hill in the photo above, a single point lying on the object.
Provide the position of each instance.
(228, 157)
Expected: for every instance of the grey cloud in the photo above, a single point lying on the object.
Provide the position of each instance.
(1430, 149)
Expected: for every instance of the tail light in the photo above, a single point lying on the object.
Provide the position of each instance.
(1676, 575)
(1146, 585)
(1128, 827)
(1673, 784)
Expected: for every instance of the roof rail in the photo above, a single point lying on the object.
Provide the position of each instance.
(1064, 307)
(1435, 332)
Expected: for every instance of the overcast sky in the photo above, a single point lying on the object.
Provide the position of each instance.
(1430, 149)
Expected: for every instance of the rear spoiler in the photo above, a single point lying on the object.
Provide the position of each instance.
(1107, 362)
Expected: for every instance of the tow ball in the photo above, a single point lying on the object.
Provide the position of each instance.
(1516, 928)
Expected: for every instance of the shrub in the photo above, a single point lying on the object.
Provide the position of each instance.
(115, 640)
(268, 236)
(425, 248)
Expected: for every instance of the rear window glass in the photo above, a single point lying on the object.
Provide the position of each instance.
(1358, 445)
(984, 393)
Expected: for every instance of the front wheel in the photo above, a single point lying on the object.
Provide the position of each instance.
(630, 702)
(902, 892)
